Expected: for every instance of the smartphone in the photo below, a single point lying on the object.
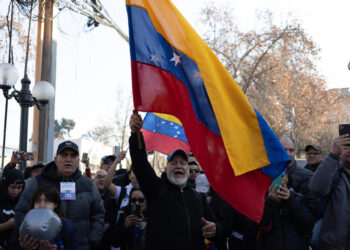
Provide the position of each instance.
(136, 210)
(29, 156)
(116, 150)
(84, 158)
(278, 180)
(25, 156)
(344, 129)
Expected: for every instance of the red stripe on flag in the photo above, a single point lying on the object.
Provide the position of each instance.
(163, 143)
(246, 193)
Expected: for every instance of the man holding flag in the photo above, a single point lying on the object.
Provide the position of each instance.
(180, 217)
(174, 72)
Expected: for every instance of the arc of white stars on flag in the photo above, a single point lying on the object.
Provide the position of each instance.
(155, 59)
(176, 59)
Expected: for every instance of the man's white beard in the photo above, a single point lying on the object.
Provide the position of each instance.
(177, 181)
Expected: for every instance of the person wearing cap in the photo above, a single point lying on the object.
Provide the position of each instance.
(194, 172)
(179, 216)
(11, 187)
(313, 156)
(331, 181)
(107, 161)
(81, 201)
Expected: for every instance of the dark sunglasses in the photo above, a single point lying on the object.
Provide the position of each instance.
(140, 200)
(194, 171)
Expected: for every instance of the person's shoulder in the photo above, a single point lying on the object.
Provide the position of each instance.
(31, 183)
(83, 178)
(302, 172)
(85, 183)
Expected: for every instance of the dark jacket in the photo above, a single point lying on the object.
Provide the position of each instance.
(124, 237)
(331, 181)
(67, 238)
(312, 167)
(7, 207)
(86, 211)
(111, 205)
(288, 225)
(175, 215)
(239, 232)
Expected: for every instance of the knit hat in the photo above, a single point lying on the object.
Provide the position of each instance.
(12, 176)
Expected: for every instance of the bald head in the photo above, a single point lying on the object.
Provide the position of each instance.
(289, 146)
(101, 171)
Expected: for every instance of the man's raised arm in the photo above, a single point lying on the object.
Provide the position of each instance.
(143, 170)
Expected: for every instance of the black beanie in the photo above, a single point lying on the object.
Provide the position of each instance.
(12, 176)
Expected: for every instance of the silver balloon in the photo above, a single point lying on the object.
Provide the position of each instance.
(41, 223)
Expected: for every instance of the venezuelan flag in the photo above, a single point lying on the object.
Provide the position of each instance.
(174, 72)
(164, 133)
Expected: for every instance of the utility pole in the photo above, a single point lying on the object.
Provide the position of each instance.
(293, 130)
(43, 127)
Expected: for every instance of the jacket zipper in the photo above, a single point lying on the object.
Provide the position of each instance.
(188, 219)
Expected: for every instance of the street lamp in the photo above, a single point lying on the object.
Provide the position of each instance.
(42, 92)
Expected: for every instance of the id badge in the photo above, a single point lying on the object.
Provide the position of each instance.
(67, 191)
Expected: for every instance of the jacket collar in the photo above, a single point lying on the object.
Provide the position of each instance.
(50, 171)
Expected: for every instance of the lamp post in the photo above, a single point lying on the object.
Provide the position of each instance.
(42, 93)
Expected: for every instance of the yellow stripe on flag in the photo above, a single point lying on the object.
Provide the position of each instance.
(236, 118)
(168, 118)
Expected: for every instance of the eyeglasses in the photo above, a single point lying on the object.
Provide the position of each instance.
(313, 153)
(140, 200)
(194, 171)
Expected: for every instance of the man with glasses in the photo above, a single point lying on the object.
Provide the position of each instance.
(314, 156)
(179, 216)
(194, 172)
(80, 200)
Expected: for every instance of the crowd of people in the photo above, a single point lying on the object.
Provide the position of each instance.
(305, 208)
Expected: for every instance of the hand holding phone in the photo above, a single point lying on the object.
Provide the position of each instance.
(85, 158)
(342, 142)
(136, 210)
